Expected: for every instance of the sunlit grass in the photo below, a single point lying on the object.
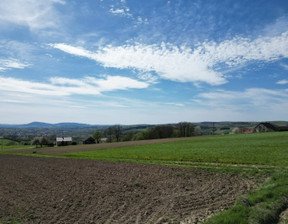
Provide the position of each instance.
(262, 149)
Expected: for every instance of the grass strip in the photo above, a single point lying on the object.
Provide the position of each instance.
(262, 206)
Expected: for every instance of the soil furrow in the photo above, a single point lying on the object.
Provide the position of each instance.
(50, 190)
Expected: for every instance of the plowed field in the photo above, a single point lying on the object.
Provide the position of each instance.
(50, 190)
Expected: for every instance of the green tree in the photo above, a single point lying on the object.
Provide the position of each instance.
(128, 136)
(97, 136)
(40, 141)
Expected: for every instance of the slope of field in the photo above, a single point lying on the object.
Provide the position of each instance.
(49, 190)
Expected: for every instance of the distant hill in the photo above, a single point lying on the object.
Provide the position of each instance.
(71, 125)
(46, 125)
(36, 125)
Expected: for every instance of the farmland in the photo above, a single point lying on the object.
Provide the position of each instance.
(201, 176)
(261, 149)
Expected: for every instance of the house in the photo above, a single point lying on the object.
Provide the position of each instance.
(89, 140)
(247, 131)
(62, 141)
(268, 127)
(103, 140)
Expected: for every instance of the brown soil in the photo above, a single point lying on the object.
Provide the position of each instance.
(50, 190)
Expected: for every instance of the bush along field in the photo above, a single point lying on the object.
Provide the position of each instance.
(261, 154)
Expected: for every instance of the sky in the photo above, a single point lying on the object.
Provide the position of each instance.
(136, 62)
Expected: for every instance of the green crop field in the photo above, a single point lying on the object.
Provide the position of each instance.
(256, 149)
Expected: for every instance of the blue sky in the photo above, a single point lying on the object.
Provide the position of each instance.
(154, 61)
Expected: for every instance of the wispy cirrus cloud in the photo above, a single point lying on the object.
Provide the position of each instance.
(59, 86)
(203, 63)
(36, 14)
(247, 100)
(282, 82)
(10, 63)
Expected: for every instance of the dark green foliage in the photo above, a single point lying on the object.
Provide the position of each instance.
(160, 131)
(43, 140)
(183, 129)
(128, 136)
(97, 136)
(238, 214)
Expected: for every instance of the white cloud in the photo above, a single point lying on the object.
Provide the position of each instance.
(11, 63)
(253, 98)
(59, 86)
(36, 14)
(117, 83)
(200, 64)
(282, 82)
(74, 50)
(284, 66)
(168, 63)
(176, 104)
(120, 9)
(147, 77)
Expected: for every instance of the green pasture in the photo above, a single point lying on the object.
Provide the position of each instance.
(257, 149)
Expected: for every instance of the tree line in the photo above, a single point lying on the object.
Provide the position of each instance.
(116, 133)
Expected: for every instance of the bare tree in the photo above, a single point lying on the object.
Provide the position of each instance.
(197, 130)
(117, 132)
(186, 129)
(36, 141)
(109, 134)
